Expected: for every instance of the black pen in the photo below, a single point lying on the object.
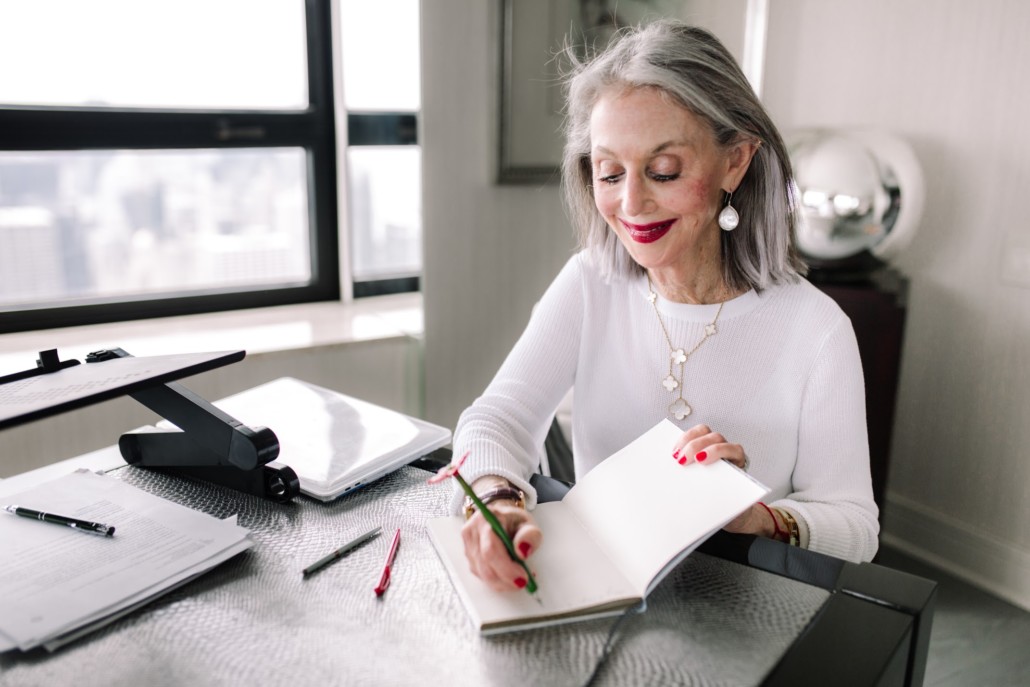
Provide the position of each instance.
(84, 525)
(339, 553)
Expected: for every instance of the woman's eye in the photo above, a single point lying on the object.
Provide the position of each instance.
(665, 177)
(609, 178)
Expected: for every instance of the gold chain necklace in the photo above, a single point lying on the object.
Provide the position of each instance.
(679, 408)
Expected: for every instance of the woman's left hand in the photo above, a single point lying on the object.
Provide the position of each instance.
(700, 444)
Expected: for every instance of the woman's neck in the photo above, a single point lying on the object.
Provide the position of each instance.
(699, 282)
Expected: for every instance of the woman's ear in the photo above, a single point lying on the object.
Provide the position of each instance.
(738, 159)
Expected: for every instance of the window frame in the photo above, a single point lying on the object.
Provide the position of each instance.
(381, 129)
(52, 128)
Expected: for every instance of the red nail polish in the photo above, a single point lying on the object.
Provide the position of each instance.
(524, 549)
(683, 460)
(520, 582)
(676, 455)
(701, 455)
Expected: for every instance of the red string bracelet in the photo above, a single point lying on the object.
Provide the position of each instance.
(776, 524)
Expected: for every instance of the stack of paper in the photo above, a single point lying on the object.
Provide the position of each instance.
(58, 583)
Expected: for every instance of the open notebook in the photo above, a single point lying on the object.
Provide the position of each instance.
(624, 526)
(335, 443)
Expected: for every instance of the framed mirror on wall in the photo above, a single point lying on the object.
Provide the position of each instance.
(533, 32)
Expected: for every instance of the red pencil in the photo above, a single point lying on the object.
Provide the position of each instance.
(384, 579)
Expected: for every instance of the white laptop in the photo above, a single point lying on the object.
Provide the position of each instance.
(335, 443)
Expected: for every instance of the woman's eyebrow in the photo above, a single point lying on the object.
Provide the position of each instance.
(654, 151)
(669, 144)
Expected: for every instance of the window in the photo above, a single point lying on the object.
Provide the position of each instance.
(165, 158)
(383, 160)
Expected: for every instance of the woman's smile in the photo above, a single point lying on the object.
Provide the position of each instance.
(647, 233)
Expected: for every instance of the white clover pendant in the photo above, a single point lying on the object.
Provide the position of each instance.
(679, 409)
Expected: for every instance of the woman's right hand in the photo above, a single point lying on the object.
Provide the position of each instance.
(487, 556)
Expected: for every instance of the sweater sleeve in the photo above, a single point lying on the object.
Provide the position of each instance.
(504, 429)
(832, 487)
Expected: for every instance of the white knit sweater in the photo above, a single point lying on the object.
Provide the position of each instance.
(782, 377)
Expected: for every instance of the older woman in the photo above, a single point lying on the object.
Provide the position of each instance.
(686, 302)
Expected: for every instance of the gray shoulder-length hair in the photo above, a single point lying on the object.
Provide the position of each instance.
(692, 67)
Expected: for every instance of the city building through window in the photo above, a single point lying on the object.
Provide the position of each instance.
(172, 158)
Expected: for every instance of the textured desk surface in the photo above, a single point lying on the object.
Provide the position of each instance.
(256, 621)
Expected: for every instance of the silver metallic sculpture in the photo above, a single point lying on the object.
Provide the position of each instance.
(861, 194)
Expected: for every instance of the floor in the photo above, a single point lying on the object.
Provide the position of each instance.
(977, 639)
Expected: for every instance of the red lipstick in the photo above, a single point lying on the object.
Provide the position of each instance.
(647, 233)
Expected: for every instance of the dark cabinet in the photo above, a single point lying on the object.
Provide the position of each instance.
(876, 305)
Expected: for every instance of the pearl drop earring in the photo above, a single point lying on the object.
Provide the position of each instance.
(728, 218)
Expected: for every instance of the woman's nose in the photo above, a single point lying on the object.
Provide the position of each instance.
(635, 196)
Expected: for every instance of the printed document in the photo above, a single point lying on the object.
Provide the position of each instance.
(56, 581)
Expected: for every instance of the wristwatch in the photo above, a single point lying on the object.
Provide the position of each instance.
(498, 494)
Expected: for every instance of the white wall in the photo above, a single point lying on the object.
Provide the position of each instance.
(490, 251)
(948, 76)
(943, 73)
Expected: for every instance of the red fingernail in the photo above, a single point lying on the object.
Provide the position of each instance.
(524, 549)
(683, 460)
(676, 455)
(701, 455)
(520, 582)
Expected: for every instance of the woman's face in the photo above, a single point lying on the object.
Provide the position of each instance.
(658, 176)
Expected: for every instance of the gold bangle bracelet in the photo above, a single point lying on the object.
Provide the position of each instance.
(793, 531)
(498, 494)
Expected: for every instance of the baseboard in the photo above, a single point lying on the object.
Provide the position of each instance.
(978, 558)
